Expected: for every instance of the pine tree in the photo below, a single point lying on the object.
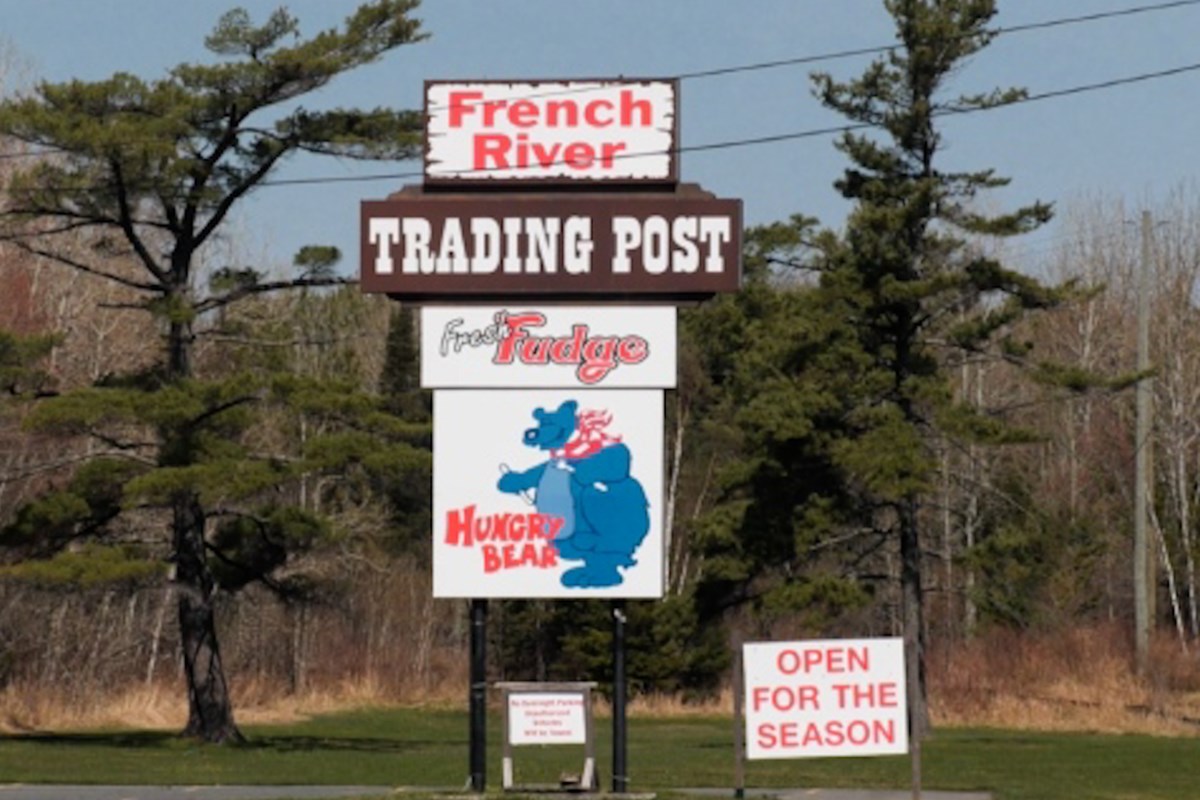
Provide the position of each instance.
(153, 169)
(906, 283)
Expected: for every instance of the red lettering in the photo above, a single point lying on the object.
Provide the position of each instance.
(491, 151)
(607, 151)
(579, 155)
(459, 525)
(592, 116)
(544, 157)
(490, 109)
(462, 104)
(630, 106)
(830, 659)
(633, 350)
(516, 331)
(562, 113)
(491, 558)
(523, 114)
(786, 698)
(535, 351)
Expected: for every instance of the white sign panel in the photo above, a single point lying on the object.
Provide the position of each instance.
(547, 347)
(573, 131)
(546, 718)
(548, 493)
(835, 697)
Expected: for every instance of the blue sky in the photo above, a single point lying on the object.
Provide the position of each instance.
(1137, 143)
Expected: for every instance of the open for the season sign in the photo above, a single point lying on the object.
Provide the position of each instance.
(558, 132)
(833, 697)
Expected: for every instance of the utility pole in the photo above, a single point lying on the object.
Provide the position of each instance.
(1142, 600)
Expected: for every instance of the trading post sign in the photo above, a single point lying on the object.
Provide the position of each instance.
(431, 245)
(488, 132)
(514, 346)
(548, 493)
(834, 697)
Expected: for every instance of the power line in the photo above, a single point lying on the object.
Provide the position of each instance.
(797, 135)
(1001, 31)
(758, 140)
(830, 56)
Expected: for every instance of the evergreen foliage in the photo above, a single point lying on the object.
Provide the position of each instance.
(908, 285)
(20, 374)
(151, 169)
(836, 357)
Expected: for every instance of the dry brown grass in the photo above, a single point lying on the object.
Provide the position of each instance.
(1080, 679)
(25, 708)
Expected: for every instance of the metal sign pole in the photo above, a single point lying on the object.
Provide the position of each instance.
(478, 695)
(620, 780)
(739, 722)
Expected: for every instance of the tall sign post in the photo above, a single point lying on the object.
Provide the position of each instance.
(547, 246)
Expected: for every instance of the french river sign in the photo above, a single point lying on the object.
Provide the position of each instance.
(488, 132)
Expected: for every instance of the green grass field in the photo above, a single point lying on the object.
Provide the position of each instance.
(423, 748)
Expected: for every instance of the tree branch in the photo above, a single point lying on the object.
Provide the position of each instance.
(274, 286)
(125, 221)
(82, 267)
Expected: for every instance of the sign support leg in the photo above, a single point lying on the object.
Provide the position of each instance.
(739, 722)
(914, 745)
(478, 697)
(620, 780)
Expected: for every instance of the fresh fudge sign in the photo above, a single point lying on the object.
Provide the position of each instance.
(489, 132)
(548, 493)
(835, 697)
(435, 245)
(518, 346)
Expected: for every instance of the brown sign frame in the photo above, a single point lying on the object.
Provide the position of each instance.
(599, 281)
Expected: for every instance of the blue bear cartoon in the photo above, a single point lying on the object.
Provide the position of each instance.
(604, 510)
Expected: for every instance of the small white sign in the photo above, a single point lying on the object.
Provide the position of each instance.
(546, 718)
(548, 493)
(547, 347)
(565, 131)
(833, 697)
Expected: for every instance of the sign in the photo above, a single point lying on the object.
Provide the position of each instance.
(548, 493)
(548, 346)
(546, 718)
(549, 713)
(489, 132)
(836, 697)
(426, 245)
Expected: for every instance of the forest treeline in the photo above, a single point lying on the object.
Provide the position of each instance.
(1032, 534)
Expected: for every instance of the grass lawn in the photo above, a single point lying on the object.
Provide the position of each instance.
(413, 747)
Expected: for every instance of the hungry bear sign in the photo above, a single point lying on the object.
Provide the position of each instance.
(551, 493)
